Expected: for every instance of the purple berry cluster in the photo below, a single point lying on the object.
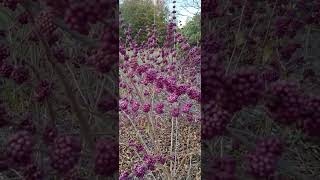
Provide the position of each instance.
(79, 15)
(213, 75)
(244, 88)
(106, 56)
(310, 118)
(10, 4)
(45, 23)
(286, 102)
(106, 161)
(65, 153)
(27, 124)
(215, 120)
(49, 134)
(20, 147)
(4, 52)
(262, 162)
(33, 172)
(149, 164)
(43, 91)
(221, 168)
(20, 74)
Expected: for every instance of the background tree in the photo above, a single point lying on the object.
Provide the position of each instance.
(192, 29)
(144, 13)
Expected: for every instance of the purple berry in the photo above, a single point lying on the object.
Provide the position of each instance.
(106, 162)
(159, 108)
(146, 107)
(6, 70)
(285, 102)
(27, 124)
(262, 162)
(310, 117)
(20, 74)
(244, 88)
(65, 153)
(11, 4)
(107, 104)
(214, 120)
(45, 24)
(49, 134)
(33, 172)
(223, 168)
(20, 147)
(43, 91)
(4, 52)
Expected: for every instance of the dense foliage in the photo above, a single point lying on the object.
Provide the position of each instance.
(192, 30)
(142, 14)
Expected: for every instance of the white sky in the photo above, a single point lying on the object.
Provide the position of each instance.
(184, 9)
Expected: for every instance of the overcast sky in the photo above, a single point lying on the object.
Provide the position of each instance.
(186, 9)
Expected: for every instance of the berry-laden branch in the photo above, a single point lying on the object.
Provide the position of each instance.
(84, 126)
(49, 105)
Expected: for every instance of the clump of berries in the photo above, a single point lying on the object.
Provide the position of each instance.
(20, 74)
(106, 104)
(106, 55)
(79, 15)
(6, 70)
(221, 168)
(286, 102)
(65, 153)
(43, 91)
(27, 124)
(213, 78)
(270, 75)
(310, 117)
(106, 160)
(24, 18)
(262, 162)
(214, 121)
(45, 23)
(10, 4)
(4, 53)
(58, 6)
(60, 55)
(49, 134)
(244, 88)
(33, 172)
(20, 147)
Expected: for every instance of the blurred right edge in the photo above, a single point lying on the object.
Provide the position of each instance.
(259, 82)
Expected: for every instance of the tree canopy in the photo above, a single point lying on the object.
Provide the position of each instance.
(192, 29)
(143, 13)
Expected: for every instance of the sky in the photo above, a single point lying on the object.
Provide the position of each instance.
(184, 9)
